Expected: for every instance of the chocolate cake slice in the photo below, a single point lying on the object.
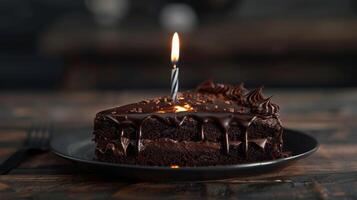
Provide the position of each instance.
(216, 124)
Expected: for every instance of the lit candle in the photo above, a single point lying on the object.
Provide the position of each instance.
(175, 53)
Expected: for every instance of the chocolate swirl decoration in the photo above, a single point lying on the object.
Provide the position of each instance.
(206, 86)
(221, 88)
(255, 97)
(267, 107)
(210, 87)
(236, 93)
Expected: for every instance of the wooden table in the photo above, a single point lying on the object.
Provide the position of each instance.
(328, 115)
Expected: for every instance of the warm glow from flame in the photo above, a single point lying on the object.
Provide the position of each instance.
(177, 108)
(183, 108)
(174, 166)
(175, 49)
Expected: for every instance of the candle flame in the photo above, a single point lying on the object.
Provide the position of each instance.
(174, 166)
(175, 49)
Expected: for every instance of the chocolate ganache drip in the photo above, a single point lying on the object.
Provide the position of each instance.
(223, 121)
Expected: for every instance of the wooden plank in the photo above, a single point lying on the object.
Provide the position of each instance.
(335, 107)
(324, 186)
(337, 152)
(238, 37)
(12, 135)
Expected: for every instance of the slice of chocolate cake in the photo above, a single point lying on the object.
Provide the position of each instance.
(215, 125)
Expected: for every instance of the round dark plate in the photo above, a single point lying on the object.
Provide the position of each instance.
(79, 148)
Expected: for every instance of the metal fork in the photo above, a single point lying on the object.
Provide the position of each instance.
(38, 139)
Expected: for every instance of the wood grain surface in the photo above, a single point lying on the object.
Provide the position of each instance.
(330, 173)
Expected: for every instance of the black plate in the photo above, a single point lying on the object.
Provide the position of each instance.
(78, 147)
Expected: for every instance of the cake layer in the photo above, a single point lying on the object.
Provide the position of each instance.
(167, 152)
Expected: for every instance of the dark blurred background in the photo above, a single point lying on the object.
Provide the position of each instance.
(125, 44)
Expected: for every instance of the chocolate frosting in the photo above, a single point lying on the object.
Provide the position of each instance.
(240, 95)
(255, 97)
(236, 93)
(220, 104)
(209, 86)
(267, 107)
(231, 92)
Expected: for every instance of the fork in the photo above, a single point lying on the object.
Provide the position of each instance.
(38, 139)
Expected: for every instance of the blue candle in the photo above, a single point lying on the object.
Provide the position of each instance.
(175, 53)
